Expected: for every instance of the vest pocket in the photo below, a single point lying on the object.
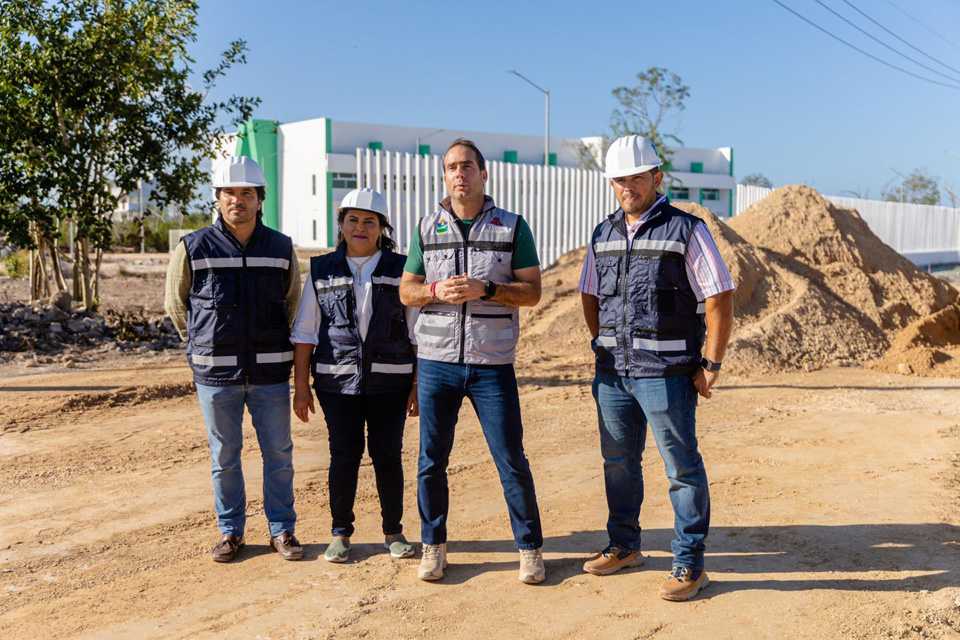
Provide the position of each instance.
(270, 295)
(217, 290)
(336, 306)
(608, 276)
(604, 346)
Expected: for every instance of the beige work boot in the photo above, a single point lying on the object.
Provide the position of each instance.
(611, 560)
(532, 570)
(683, 583)
(433, 561)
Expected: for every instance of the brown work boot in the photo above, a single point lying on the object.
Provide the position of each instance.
(683, 583)
(287, 546)
(226, 550)
(611, 560)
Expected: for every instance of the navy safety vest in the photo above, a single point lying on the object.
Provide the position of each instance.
(651, 324)
(478, 331)
(237, 326)
(343, 363)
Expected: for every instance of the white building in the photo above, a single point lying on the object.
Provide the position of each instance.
(310, 166)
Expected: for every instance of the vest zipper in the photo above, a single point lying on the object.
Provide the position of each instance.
(627, 344)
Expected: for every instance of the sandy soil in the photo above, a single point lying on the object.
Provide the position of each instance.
(836, 509)
(836, 500)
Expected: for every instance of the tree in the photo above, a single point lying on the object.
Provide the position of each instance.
(95, 96)
(644, 110)
(757, 180)
(658, 96)
(918, 187)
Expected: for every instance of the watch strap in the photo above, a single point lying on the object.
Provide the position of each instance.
(710, 365)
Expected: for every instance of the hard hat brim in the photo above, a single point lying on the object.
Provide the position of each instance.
(239, 184)
(379, 213)
(623, 173)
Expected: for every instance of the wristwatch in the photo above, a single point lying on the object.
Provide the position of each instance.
(490, 290)
(709, 365)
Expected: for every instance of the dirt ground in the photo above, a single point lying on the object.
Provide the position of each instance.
(835, 514)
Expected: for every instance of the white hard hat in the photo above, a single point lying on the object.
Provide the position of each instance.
(366, 199)
(239, 171)
(630, 155)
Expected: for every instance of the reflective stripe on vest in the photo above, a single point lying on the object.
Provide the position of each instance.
(336, 369)
(266, 358)
(478, 331)
(214, 361)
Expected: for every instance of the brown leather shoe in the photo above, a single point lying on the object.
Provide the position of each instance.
(611, 560)
(228, 547)
(287, 546)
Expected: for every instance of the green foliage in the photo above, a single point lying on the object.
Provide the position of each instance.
(757, 180)
(95, 95)
(17, 264)
(657, 96)
(918, 187)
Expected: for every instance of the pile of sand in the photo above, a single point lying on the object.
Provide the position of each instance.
(929, 346)
(814, 287)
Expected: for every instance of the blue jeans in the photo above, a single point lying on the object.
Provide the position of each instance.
(625, 406)
(492, 389)
(269, 407)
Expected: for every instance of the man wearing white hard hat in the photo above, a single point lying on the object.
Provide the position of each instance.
(232, 291)
(356, 338)
(658, 301)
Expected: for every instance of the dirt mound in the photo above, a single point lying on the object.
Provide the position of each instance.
(835, 249)
(814, 287)
(929, 346)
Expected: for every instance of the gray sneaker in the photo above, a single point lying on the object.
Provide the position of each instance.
(338, 550)
(399, 547)
(433, 561)
(532, 570)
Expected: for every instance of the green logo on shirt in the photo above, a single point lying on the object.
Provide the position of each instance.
(442, 226)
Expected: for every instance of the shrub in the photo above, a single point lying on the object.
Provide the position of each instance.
(17, 264)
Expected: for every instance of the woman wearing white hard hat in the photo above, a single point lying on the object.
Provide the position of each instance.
(357, 339)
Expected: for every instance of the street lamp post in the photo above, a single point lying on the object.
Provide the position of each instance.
(416, 151)
(546, 138)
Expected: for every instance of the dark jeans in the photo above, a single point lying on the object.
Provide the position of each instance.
(384, 415)
(625, 407)
(492, 389)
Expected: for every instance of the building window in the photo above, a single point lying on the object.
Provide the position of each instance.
(344, 180)
(314, 227)
(314, 186)
(709, 194)
(681, 193)
(696, 167)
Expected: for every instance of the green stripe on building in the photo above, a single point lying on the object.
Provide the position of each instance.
(257, 139)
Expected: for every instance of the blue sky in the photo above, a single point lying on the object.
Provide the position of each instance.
(794, 104)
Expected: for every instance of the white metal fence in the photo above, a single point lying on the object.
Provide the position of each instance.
(925, 234)
(562, 205)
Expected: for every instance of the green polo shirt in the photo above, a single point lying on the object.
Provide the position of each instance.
(524, 251)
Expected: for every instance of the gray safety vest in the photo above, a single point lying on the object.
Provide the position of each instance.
(478, 331)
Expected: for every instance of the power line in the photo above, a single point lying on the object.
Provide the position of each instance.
(878, 40)
(903, 11)
(869, 55)
(899, 38)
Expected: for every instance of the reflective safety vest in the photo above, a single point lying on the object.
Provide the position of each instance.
(651, 324)
(237, 326)
(383, 362)
(478, 331)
